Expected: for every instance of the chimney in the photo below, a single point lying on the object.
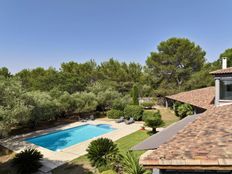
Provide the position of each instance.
(224, 62)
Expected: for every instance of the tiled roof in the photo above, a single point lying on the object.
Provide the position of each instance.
(222, 71)
(203, 98)
(205, 142)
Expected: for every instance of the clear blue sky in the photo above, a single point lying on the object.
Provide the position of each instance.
(48, 32)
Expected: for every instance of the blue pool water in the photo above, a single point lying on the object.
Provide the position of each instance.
(62, 139)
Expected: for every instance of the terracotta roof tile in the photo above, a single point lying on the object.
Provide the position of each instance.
(207, 141)
(222, 71)
(203, 98)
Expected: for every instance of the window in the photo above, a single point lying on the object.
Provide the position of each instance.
(225, 90)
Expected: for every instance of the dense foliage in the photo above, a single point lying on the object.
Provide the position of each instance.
(183, 110)
(133, 111)
(34, 95)
(13, 107)
(175, 107)
(175, 63)
(27, 161)
(114, 113)
(148, 105)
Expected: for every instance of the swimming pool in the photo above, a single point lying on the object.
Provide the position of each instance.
(64, 138)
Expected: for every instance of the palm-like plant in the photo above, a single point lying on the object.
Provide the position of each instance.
(102, 152)
(131, 165)
(27, 161)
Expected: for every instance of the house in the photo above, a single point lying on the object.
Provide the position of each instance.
(201, 143)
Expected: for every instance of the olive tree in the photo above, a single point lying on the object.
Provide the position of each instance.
(105, 94)
(13, 109)
(43, 106)
(85, 102)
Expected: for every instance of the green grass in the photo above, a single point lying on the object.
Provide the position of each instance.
(125, 143)
(82, 165)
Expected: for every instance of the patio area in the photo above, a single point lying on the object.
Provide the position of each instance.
(53, 159)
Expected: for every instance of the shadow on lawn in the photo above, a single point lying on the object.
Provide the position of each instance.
(150, 133)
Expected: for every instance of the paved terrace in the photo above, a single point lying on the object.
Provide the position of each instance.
(53, 159)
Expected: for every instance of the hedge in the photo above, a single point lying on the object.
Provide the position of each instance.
(114, 113)
(134, 111)
(148, 105)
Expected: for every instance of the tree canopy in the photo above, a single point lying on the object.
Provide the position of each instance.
(227, 54)
(34, 95)
(174, 62)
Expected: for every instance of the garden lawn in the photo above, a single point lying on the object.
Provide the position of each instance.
(125, 143)
(167, 115)
(81, 165)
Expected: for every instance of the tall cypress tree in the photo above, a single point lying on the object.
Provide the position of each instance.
(135, 94)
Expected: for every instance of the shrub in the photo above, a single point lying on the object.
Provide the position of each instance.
(148, 105)
(114, 113)
(175, 107)
(27, 161)
(184, 110)
(133, 111)
(147, 114)
(102, 152)
(153, 120)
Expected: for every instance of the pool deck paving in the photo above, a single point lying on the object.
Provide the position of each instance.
(53, 159)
